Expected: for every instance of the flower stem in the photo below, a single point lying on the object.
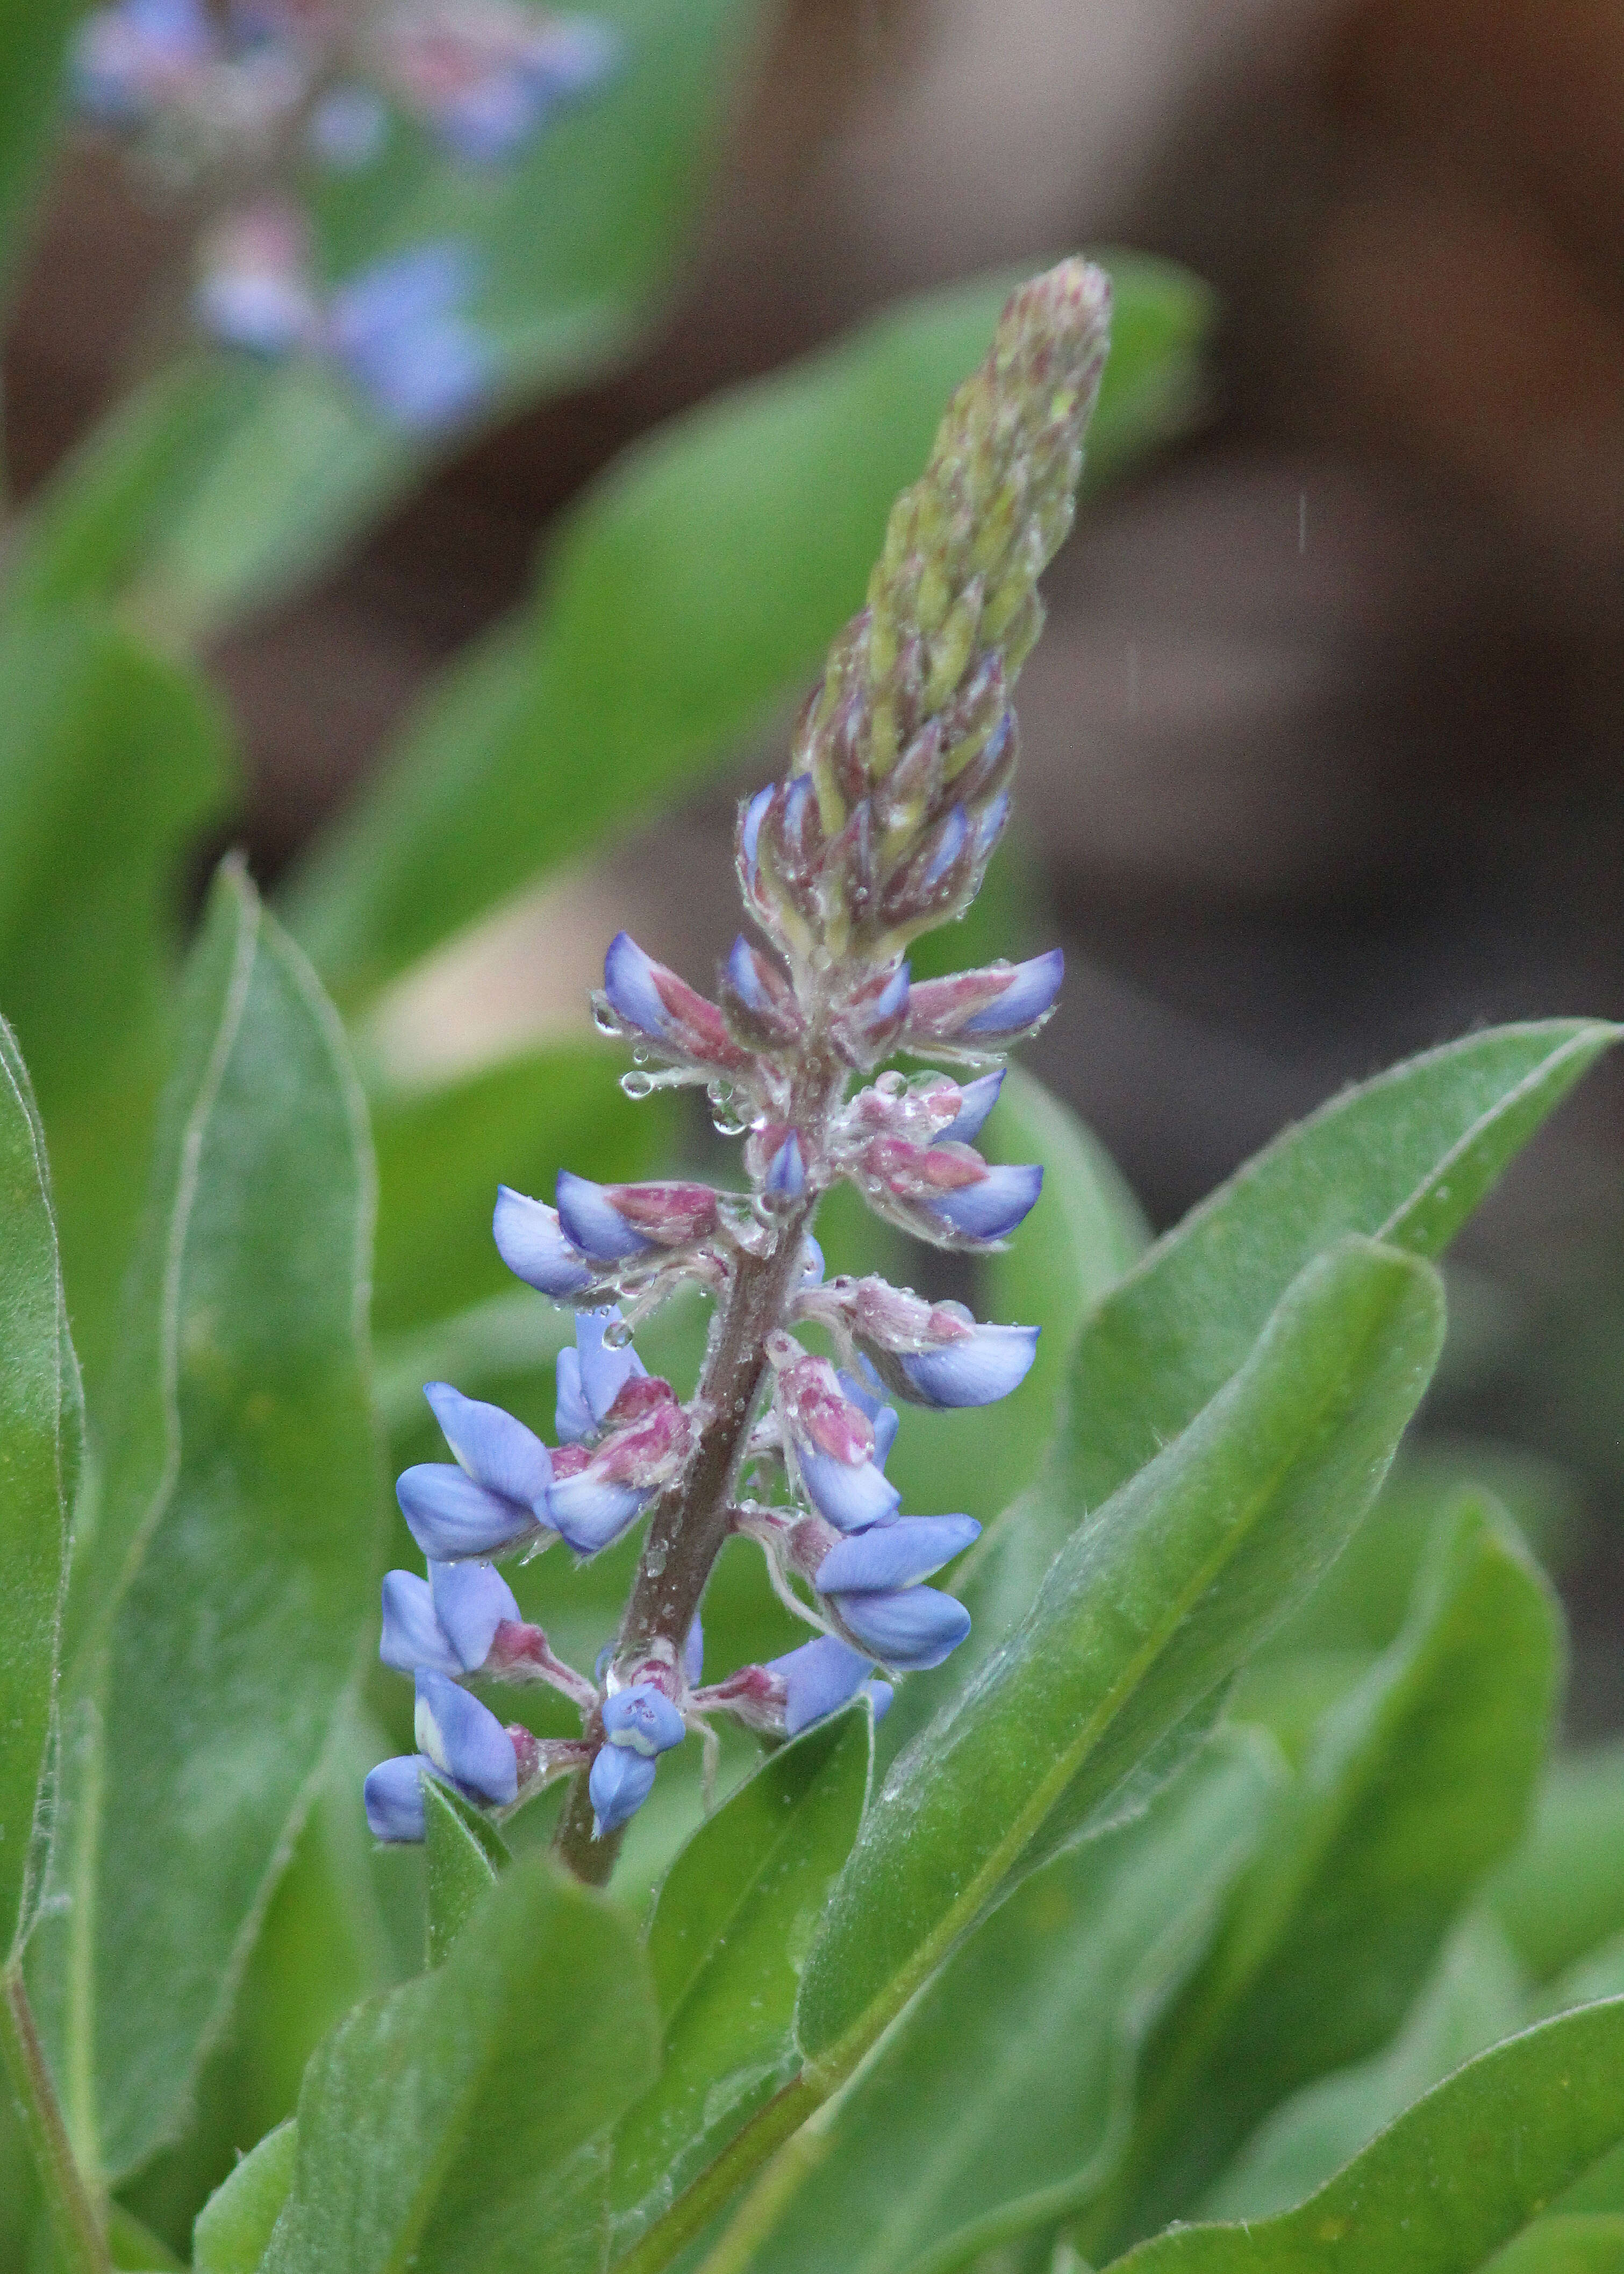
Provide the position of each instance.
(81, 2247)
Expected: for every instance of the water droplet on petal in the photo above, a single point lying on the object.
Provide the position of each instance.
(638, 1085)
(618, 1334)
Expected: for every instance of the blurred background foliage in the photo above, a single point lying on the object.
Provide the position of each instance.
(1320, 765)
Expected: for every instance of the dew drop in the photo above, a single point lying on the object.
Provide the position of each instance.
(618, 1334)
(638, 1085)
(654, 1558)
(604, 1020)
(640, 1057)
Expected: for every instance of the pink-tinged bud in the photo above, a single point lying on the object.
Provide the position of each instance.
(669, 1215)
(520, 1653)
(541, 1761)
(653, 1002)
(753, 1696)
(758, 998)
(868, 1025)
(816, 1409)
(832, 1448)
(946, 1192)
(984, 1009)
(650, 1449)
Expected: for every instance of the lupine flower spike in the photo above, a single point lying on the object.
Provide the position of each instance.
(897, 790)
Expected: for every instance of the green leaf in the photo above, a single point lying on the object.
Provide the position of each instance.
(110, 760)
(1478, 1995)
(464, 1855)
(729, 1932)
(456, 2123)
(441, 1154)
(1003, 2095)
(1145, 1615)
(220, 1601)
(234, 2227)
(1563, 1893)
(135, 2248)
(38, 1426)
(1405, 1158)
(235, 480)
(33, 38)
(1420, 1779)
(697, 583)
(1463, 2174)
(1574, 2244)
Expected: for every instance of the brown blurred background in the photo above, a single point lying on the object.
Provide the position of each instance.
(1322, 744)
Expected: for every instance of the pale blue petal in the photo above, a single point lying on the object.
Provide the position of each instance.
(849, 1497)
(465, 1741)
(412, 1635)
(470, 1600)
(895, 1555)
(749, 830)
(497, 1451)
(393, 1796)
(604, 1370)
(819, 1677)
(992, 1208)
(643, 1719)
(620, 1783)
(629, 984)
(589, 1514)
(909, 1630)
(693, 1651)
(530, 1241)
(572, 1416)
(985, 1366)
(1033, 988)
(786, 1173)
(976, 1100)
(452, 1517)
(593, 1223)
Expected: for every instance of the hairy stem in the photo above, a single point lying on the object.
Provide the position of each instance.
(81, 2247)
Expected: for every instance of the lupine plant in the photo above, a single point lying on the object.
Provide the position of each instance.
(1159, 1859)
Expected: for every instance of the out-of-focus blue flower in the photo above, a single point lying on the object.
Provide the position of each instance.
(253, 289)
(986, 1364)
(593, 1224)
(130, 57)
(619, 1783)
(464, 1740)
(394, 1797)
(487, 78)
(400, 330)
(908, 1629)
(786, 1173)
(896, 1554)
(976, 1100)
(348, 128)
(531, 1243)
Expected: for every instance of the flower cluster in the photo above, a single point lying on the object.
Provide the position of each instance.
(269, 89)
(897, 789)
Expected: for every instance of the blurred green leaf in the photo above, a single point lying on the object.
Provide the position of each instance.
(39, 1422)
(1418, 1781)
(1563, 1892)
(231, 480)
(1575, 2244)
(109, 762)
(1003, 2095)
(464, 1855)
(33, 39)
(1462, 2174)
(695, 584)
(1478, 1995)
(441, 1154)
(134, 2248)
(1405, 1157)
(234, 2227)
(457, 2123)
(1146, 1614)
(729, 1932)
(220, 1598)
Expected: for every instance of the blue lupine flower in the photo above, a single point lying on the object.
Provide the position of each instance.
(786, 1171)
(621, 1782)
(604, 1369)
(398, 329)
(632, 984)
(127, 56)
(985, 1365)
(530, 1241)
(496, 1496)
(464, 1740)
(908, 1629)
(412, 1635)
(892, 999)
(393, 1796)
(991, 1207)
(819, 1678)
(593, 1223)
(893, 1555)
(643, 1720)
(348, 128)
(749, 830)
(572, 1416)
(990, 826)
(950, 843)
(811, 1262)
(497, 1451)
(865, 1389)
(591, 1512)
(471, 1601)
(849, 1495)
(742, 969)
(1033, 989)
(976, 1100)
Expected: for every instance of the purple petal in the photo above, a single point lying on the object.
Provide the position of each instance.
(992, 1208)
(400, 294)
(572, 1416)
(811, 1262)
(892, 1000)
(985, 1366)
(880, 1695)
(604, 1370)
(589, 1514)
(497, 1451)
(452, 1517)
(749, 827)
(990, 826)
(464, 1740)
(949, 844)
(693, 1651)
(818, 1678)
(630, 984)
(892, 1555)
(976, 1100)
(786, 1173)
(620, 1783)
(1031, 992)
(471, 1601)
(591, 1220)
(412, 1635)
(435, 374)
(643, 1720)
(742, 971)
(867, 1390)
(909, 1630)
(393, 1796)
(849, 1496)
(530, 1241)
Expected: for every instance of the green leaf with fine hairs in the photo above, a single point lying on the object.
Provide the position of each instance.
(38, 1453)
(33, 44)
(464, 1855)
(729, 1932)
(1405, 1158)
(459, 2122)
(1144, 1615)
(232, 478)
(1420, 1779)
(234, 2227)
(1463, 2173)
(221, 1598)
(695, 587)
(110, 760)
(1003, 2096)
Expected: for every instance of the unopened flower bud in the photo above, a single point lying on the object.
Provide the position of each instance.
(652, 1002)
(531, 1242)
(984, 1009)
